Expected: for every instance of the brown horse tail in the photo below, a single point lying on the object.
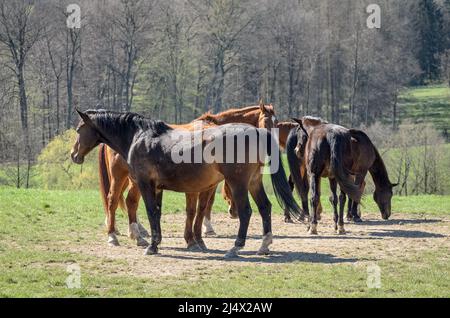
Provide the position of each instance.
(338, 144)
(282, 188)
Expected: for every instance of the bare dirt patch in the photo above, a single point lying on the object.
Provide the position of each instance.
(373, 240)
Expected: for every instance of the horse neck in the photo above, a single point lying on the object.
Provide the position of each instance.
(118, 137)
(284, 130)
(379, 173)
(247, 115)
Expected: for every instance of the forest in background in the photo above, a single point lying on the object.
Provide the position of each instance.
(174, 60)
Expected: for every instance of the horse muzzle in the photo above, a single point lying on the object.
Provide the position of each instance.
(77, 159)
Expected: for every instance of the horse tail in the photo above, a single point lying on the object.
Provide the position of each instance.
(281, 187)
(338, 143)
(105, 183)
(294, 163)
(105, 180)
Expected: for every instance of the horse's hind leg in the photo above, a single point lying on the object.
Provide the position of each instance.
(334, 202)
(265, 209)
(226, 194)
(209, 230)
(191, 205)
(315, 200)
(205, 201)
(114, 196)
(135, 230)
(342, 199)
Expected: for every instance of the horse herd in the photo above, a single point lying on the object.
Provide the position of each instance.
(137, 153)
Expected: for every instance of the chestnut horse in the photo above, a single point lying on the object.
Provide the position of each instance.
(149, 147)
(318, 149)
(114, 178)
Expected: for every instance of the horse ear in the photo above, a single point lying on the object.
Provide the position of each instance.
(85, 117)
(262, 106)
(298, 121)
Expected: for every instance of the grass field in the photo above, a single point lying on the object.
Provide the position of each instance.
(42, 232)
(427, 104)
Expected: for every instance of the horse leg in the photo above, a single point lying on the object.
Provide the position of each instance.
(315, 200)
(209, 230)
(265, 209)
(240, 199)
(191, 205)
(226, 194)
(358, 180)
(334, 202)
(135, 230)
(342, 199)
(152, 199)
(205, 201)
(287, 216)
(113, 198)
(349, 209)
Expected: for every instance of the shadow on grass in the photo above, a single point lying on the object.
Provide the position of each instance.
(275, 257)
(400, 221)
(406, 234)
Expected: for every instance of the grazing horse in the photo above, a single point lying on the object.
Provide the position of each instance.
(317, 149)
(148, 147)
(363, 158)
(114, 179)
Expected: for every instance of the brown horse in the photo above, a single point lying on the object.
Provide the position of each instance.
(151, 148)
(114, 178)
(318, 149)
(323, 150)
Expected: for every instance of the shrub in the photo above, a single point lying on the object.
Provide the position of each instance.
(57, 171)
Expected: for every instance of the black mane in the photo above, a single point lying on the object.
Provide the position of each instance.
(122, 123)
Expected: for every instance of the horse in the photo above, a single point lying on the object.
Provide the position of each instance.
(148, 145)
(114, 179)
(317, 149)
(314, 138)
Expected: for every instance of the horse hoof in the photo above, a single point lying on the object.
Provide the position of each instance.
(340, 230)
(263, 251)
(357, 219)
(233, 253)
(288, 220)
(112, 240)
(141, 242)
(142, 230)
(202, 246)
(209, 234)
(151, 250)
(313, 229)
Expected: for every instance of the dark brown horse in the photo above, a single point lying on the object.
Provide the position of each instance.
(114, 178)
(317, 149)
(151, 146)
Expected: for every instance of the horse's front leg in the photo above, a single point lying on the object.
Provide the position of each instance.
(242, 203)
(152, 199)
(315, 201)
